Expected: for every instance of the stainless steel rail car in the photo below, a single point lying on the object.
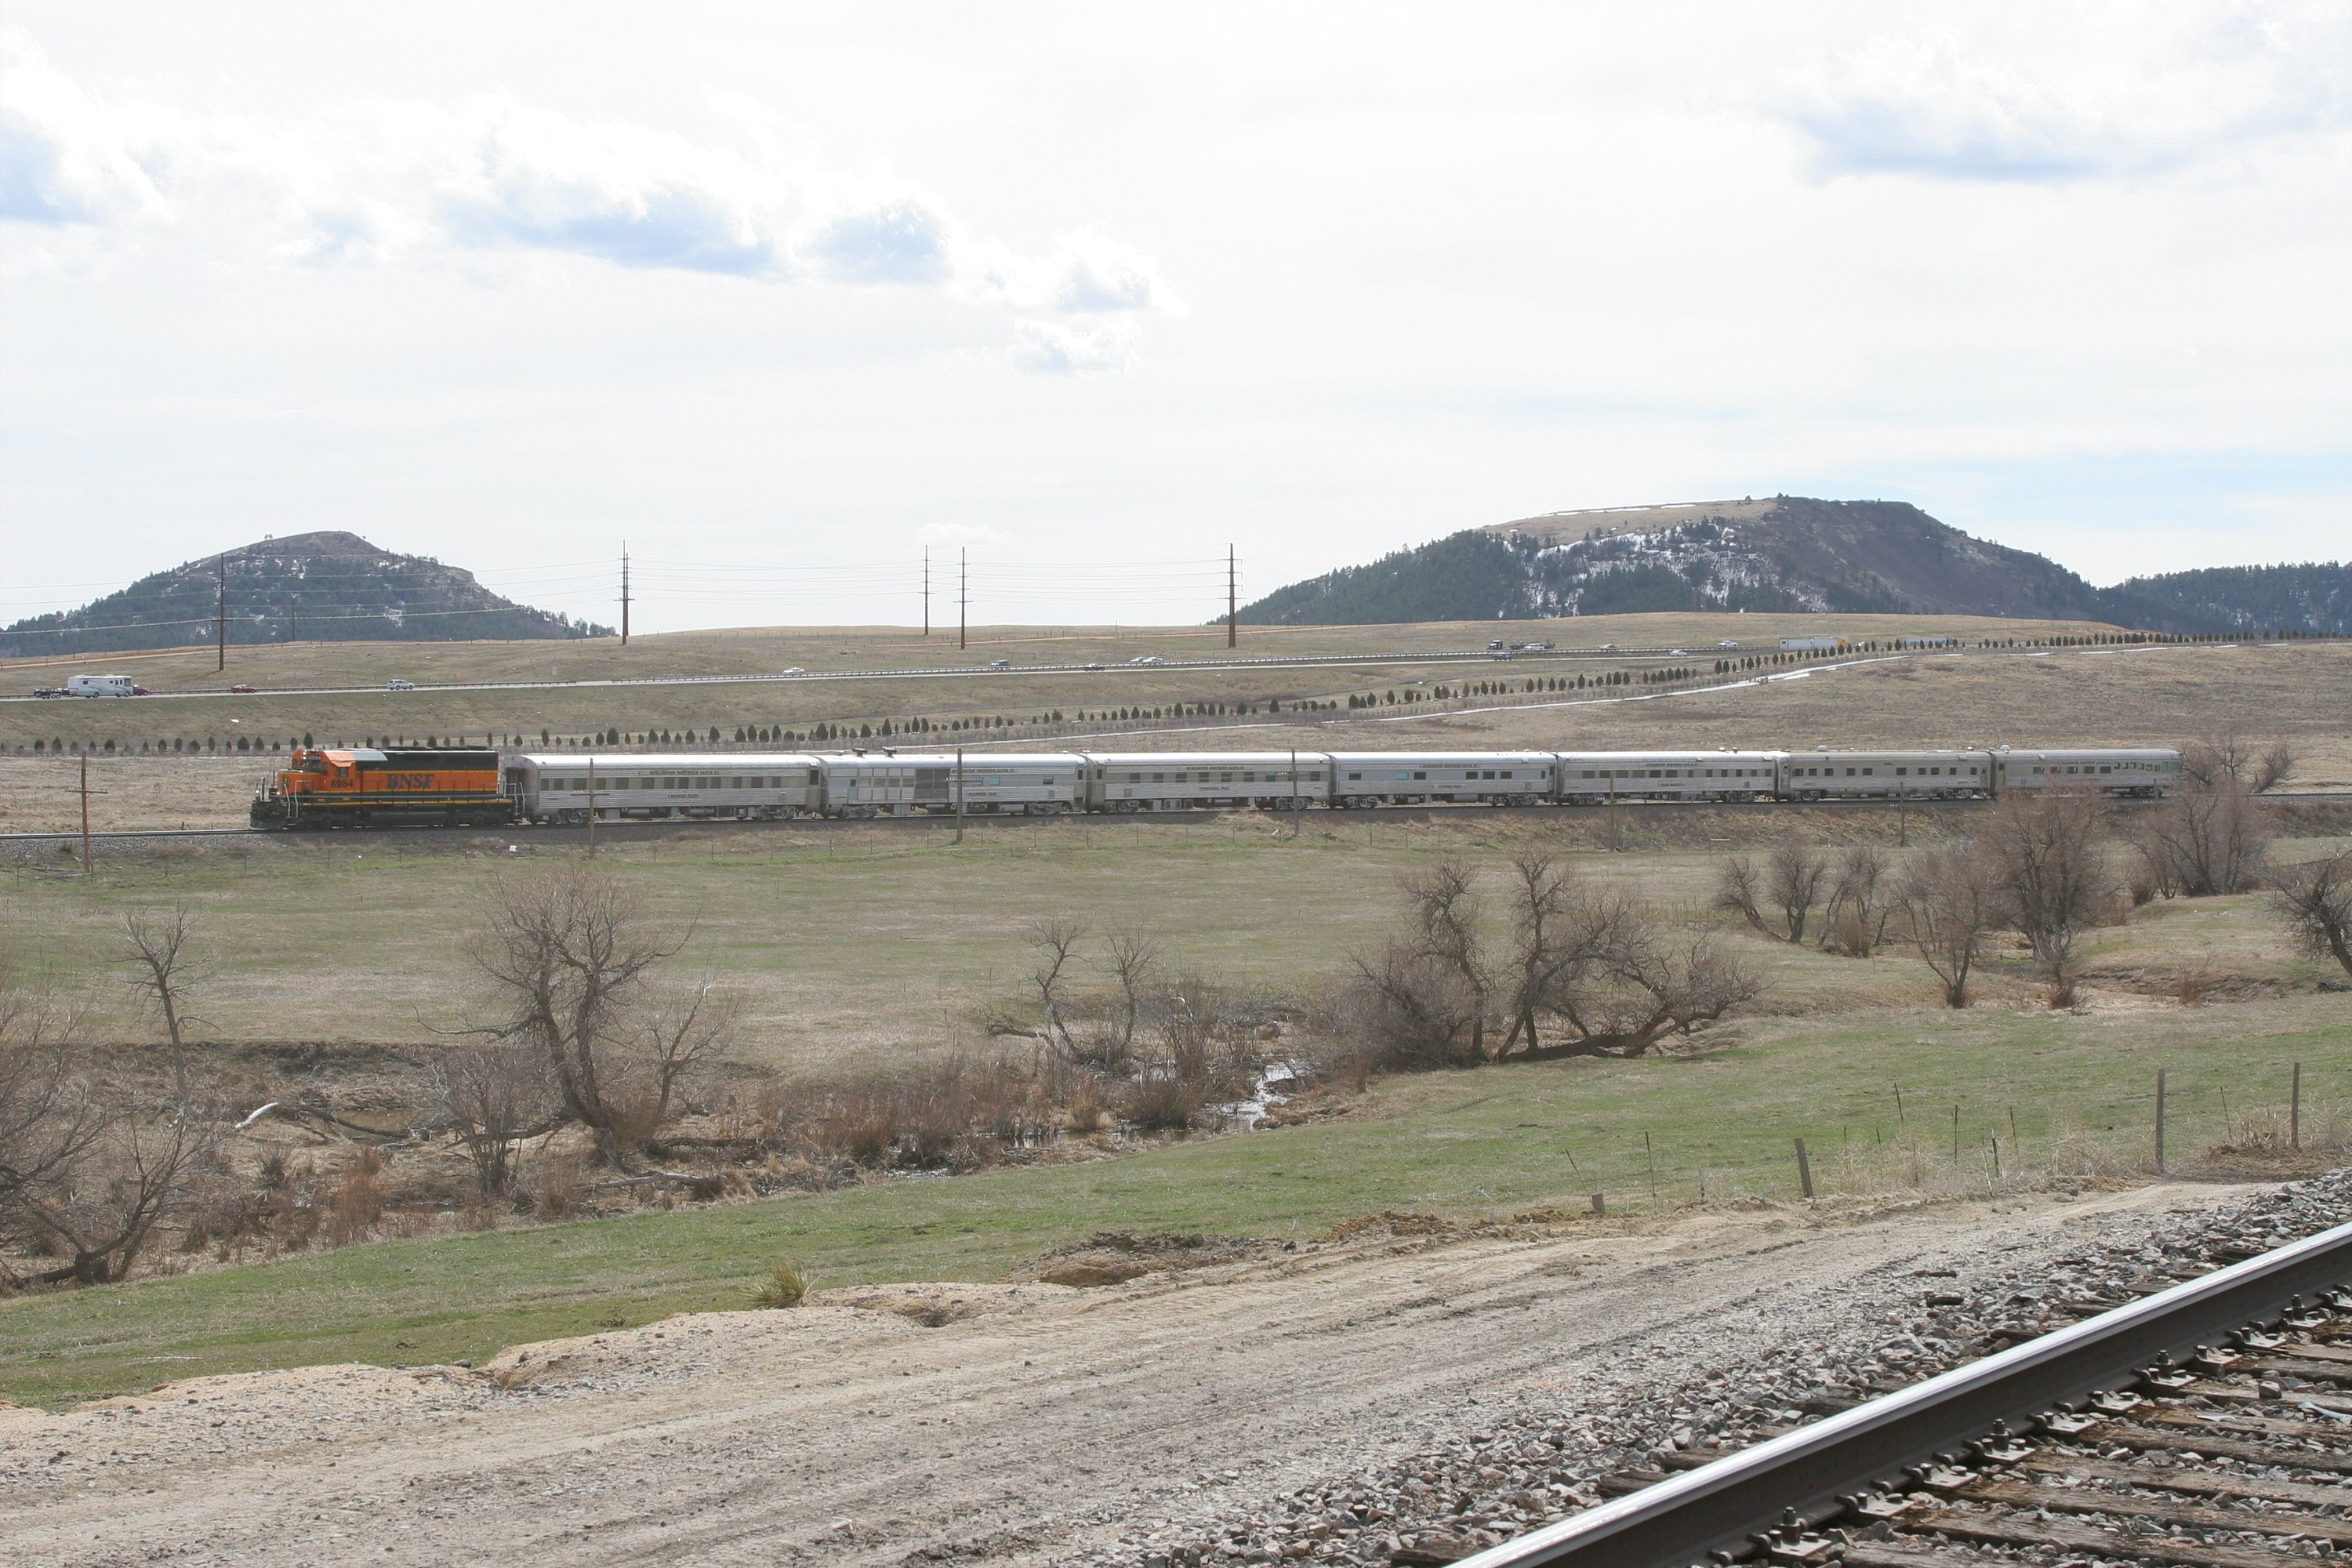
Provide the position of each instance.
(1595, 778)
(1413, 778)
(2144, 772)
(744, 786)
(1825, 774)
(1173, 781)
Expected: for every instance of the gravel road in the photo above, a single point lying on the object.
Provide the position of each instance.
(1131, 1424)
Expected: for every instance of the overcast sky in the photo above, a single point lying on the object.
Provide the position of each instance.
(781, 294)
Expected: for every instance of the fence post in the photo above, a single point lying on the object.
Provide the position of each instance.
(2159, 1121)
(2295, 1110)
(1804, 1171)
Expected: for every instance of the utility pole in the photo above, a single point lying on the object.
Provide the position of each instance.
(624, 593)
(85, 815)
(592, 806)
(1231, 602)
(959, 783)
(963, 597)
(221, 616)
(294, 619)
(927, 590)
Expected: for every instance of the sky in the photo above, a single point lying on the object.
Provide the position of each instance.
(778, 296)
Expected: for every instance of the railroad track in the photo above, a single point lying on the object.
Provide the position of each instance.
(2207, 1425)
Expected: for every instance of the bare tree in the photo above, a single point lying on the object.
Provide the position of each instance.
(1055, 940)
(1444, 934)
(2044, 846)
(2315, 897)
(1419, 1012)
(2209, 835)
(1133, 960)
(101, 1210)
(1854, 920)
(569, 955)
(1741, 891)
(1951, 898)
(1653, 984)
(46, 1117)
(157, 944)
(1792, 881)
(495, 1091)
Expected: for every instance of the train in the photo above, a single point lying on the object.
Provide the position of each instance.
(360, 787)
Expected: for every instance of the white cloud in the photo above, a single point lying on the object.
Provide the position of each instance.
(2152, 94)
(961, 533)
(65, 158)
(1070, 348)
(409, 184)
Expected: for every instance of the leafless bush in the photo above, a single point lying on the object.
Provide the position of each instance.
(569, 955)
(1859, 903)
(495, 1092)
(1602, 972)
(1779, 899)
(2044, 846)
(1952, 902)
(2315, 899)
(100, 1210)
(2211, 836)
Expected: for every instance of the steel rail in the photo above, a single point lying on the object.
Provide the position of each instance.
(1722, 1507)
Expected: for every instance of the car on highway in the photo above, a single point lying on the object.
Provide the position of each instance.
(1677, 652)
(1146, 658)
(241, 690)
(1728, 642)
(1000, 664)
(396, 684)
(796, 669)
(1090, 666)
(50, 691)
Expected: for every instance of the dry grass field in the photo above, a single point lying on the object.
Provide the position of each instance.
(2300, 692)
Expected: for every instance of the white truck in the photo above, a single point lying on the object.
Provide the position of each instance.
(101, 686)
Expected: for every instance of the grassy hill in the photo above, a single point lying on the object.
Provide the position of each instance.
(1786, 553)
(307, 587)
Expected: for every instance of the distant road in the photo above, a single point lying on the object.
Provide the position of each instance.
(949, 672)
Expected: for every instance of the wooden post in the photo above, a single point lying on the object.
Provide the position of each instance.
(1996, 1158)
(1898, 1106)
(959, 792)
(1804, 1171)
(85, 815)
(2159, 1121)
(2295, 1109)
(1651, 1154)
(1956, 1135)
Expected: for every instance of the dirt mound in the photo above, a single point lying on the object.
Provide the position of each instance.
(1114, 1256)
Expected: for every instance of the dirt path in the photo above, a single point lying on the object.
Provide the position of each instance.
(1038, 1426)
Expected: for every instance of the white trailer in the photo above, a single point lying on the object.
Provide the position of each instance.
(744, 786)
(1825, 774)
(101, 686)
(1183, 780)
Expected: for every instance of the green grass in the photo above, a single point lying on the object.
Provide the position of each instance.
(1471, 1145)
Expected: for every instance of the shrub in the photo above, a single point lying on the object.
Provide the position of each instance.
(784, 1284)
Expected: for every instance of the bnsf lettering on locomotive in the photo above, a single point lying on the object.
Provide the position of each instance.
(408, 781)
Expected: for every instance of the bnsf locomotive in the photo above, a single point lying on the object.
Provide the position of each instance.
(365, 787)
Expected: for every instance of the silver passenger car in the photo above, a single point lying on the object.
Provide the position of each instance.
(904, 783)
(1412, 778)
(2146, 771)
(564, 787)
(1177, 780)
(1824, 775)
(1595, 778)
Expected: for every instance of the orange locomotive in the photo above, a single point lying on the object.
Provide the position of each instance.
(360, 787)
